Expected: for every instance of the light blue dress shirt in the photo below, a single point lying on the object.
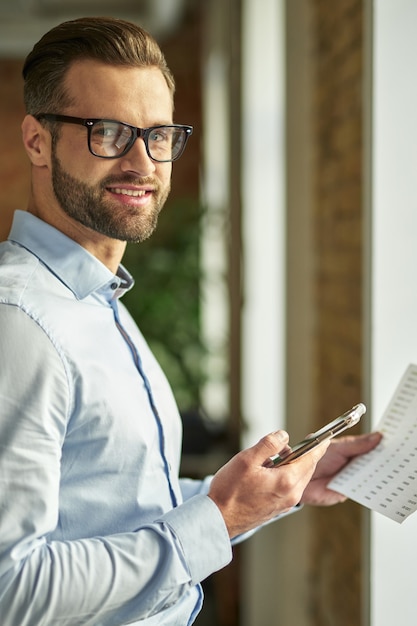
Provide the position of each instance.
(95, 526)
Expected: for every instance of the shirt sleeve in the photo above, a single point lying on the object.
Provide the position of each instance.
(107, 580)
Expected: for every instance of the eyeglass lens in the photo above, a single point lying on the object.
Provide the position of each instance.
(111, 139)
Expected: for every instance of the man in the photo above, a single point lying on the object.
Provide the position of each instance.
(95, 526)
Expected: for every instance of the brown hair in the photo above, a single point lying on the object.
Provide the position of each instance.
(105, 39)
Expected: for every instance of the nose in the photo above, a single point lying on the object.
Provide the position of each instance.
(137, 160)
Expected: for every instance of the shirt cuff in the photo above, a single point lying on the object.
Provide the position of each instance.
(202, 533)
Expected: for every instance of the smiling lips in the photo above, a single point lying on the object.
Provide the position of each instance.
(135, 193)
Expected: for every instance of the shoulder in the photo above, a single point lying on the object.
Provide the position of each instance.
(17, 267)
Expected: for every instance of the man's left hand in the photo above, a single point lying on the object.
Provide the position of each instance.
(338, 454)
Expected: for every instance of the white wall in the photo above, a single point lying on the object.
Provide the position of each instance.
(392, 281)
(263, 217)
(264, 250)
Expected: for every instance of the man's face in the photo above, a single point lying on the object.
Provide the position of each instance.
(119, 198)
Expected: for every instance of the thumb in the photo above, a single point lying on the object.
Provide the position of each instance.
(270, 444)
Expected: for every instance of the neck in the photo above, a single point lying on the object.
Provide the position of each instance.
(107, 250)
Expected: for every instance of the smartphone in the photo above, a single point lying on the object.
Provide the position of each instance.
(337, 426)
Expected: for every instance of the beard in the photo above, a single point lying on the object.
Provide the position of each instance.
(86, 204)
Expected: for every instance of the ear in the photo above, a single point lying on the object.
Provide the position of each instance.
(36, 140)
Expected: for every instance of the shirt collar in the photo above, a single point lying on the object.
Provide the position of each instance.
(79, 270)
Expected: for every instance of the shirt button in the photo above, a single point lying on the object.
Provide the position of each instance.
(113, 286)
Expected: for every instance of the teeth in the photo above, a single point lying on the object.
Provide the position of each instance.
(136, 193)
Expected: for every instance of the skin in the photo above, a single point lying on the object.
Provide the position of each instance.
(248, 493)
(64, 175)
(137, 96)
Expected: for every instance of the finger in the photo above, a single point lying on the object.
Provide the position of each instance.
(316, 453)
(357, 444)
(313, 453)
(318, 494)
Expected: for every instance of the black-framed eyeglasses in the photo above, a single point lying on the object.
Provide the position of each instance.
(110, 139)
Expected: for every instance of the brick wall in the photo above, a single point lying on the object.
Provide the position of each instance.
(337, 199)
(14, 167)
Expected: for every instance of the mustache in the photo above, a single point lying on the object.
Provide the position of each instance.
(126, 179)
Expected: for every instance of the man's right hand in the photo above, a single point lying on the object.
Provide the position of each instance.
(249, 494)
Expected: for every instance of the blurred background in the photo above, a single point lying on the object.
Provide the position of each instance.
(263, 290)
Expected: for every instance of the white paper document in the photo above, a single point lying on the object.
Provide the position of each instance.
(385, 479)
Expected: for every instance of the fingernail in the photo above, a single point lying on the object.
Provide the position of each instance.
(280, 434)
